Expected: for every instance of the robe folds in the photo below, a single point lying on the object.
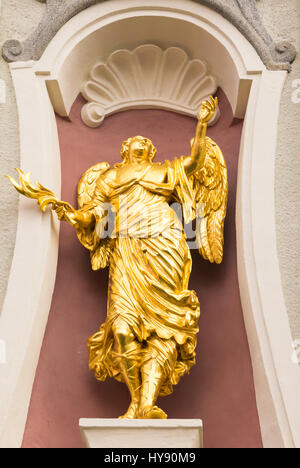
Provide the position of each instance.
(149, 269)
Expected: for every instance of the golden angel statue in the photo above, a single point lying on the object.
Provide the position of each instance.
(149, 336)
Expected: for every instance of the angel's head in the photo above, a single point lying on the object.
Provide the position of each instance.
(138, 149)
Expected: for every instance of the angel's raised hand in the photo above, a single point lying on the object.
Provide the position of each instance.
(208, 109)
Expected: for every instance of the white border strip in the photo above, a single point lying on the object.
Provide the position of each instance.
(31, 282)
(277, 380)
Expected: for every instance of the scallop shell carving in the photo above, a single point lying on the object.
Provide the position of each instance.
(147, 78)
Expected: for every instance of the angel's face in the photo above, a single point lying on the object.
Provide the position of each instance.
(139, 149)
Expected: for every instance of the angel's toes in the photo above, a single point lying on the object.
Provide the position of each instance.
(158, 413)
(152, 413)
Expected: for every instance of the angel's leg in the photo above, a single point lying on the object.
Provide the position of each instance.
(152, 378)
(154, 371)
(128, 352)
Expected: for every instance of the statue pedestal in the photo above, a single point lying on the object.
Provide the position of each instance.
(142, 433)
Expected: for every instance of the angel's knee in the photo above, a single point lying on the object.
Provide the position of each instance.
(164, 352)
(122, 332)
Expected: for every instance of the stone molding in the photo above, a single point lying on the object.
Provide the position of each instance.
(142, 433)
(243, 14)
(147, 77)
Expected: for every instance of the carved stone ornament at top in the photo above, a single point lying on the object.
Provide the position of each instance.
(147, 77)
(243, 14)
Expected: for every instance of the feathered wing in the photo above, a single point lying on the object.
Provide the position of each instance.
(87, 184)
(100, 249)
(211, 194)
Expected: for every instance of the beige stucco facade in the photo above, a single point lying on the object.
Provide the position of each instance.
(282, 19)
(20, 17)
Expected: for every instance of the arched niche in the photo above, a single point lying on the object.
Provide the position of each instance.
(52, 84)
(66, 64)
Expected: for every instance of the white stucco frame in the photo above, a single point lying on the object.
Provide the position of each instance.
(58, 74)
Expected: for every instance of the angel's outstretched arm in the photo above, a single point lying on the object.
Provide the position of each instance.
(44, 197)
(196, 160)
(78, 218)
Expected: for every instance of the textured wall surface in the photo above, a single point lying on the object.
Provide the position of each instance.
(18, 18)
(241, 13)
(282, 18)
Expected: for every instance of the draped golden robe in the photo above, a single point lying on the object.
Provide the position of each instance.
(150, 266)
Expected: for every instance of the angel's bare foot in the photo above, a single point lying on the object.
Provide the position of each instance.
(152, 412)
(132, 411)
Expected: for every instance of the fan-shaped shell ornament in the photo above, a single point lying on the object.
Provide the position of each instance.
(147, 78)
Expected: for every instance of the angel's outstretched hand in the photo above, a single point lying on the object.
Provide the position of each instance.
(208, 109)
(76, 218)
(45, 197)
(64, 214)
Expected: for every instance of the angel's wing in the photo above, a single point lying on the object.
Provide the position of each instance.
(211, 193)
(85, 195)
(87, 183)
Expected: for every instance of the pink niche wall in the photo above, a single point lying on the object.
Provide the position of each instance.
(220, 387)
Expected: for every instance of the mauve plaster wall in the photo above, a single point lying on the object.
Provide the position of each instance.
(220, 387)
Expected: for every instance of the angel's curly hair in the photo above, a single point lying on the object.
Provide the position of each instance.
(126, 145)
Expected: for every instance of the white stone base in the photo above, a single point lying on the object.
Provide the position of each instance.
(142, 433)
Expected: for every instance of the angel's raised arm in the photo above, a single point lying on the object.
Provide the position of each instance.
(196, 160)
